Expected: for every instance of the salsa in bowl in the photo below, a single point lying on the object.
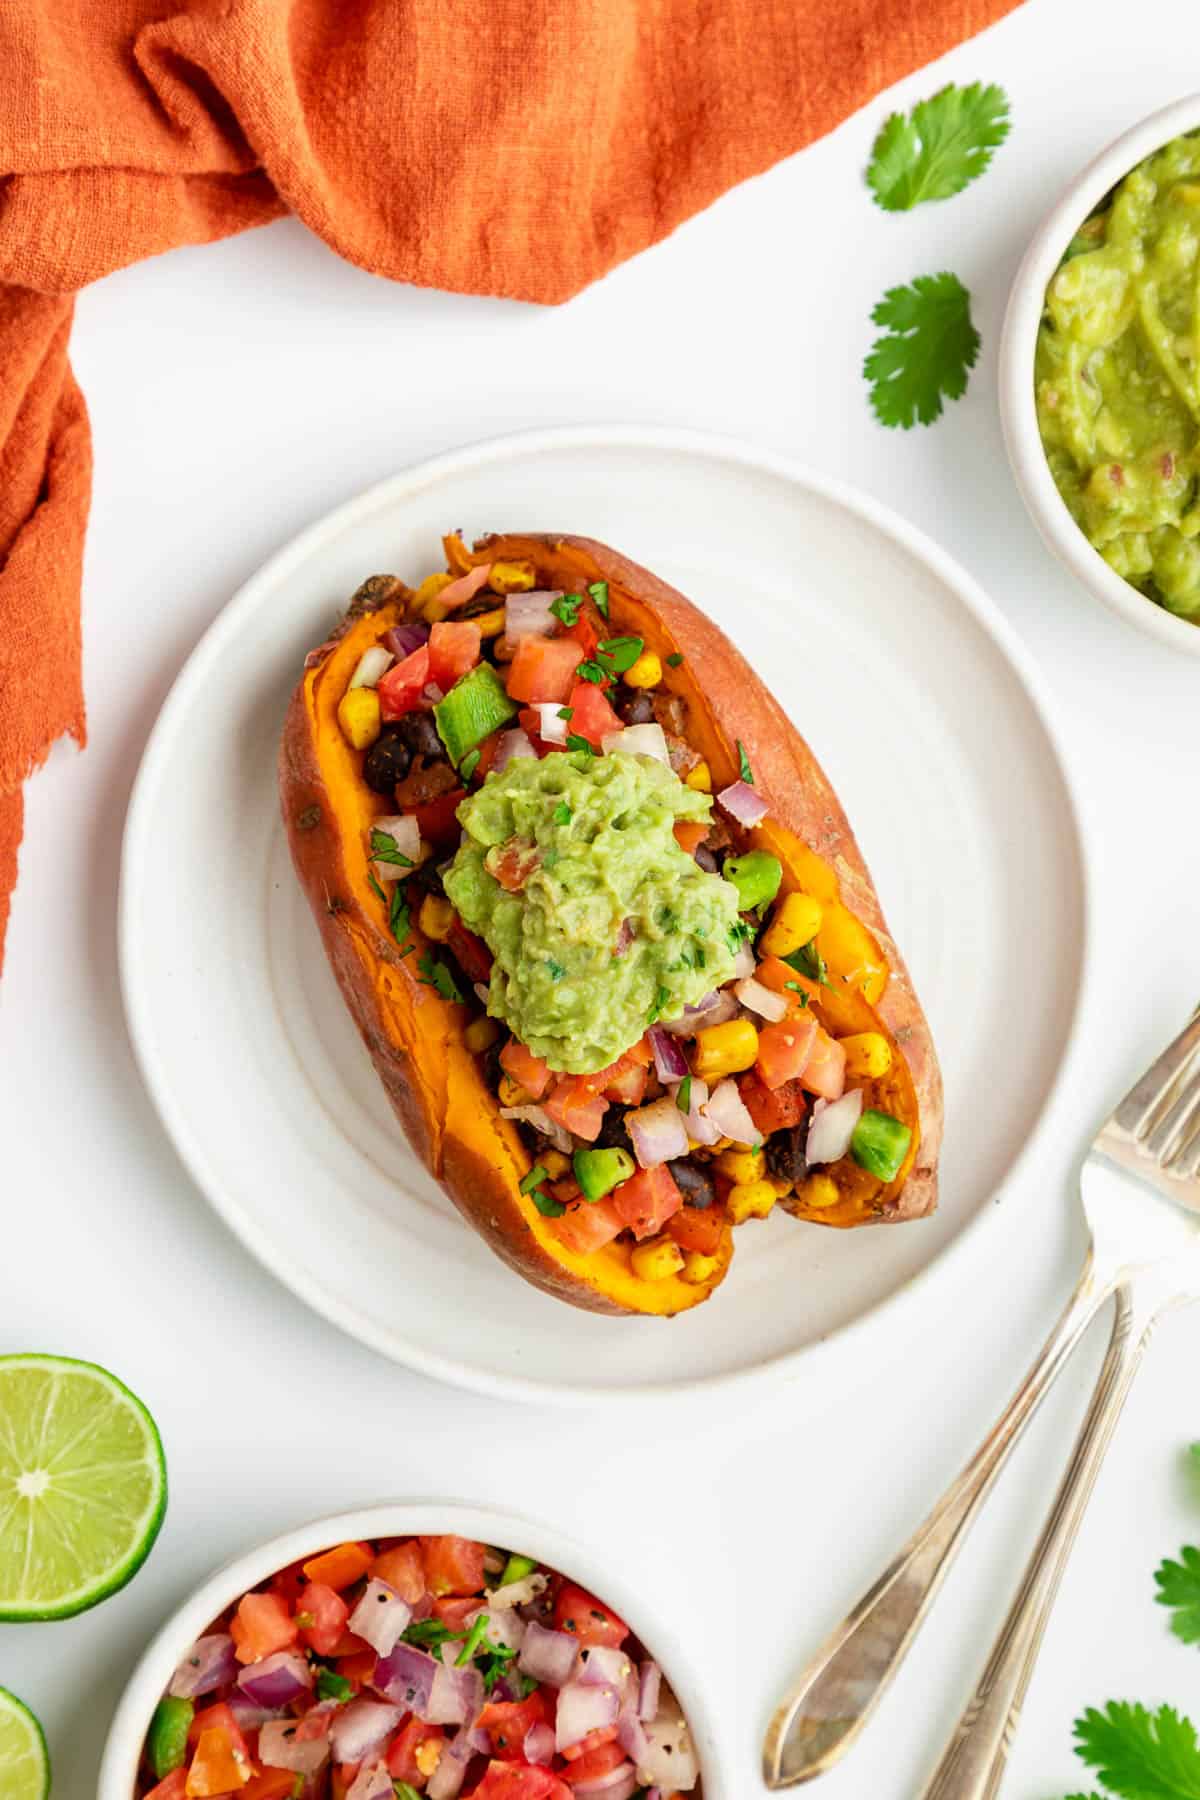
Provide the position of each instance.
(373, 1658)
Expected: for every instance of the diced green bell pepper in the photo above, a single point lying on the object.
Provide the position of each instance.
(166, 1740)
(880, 1144)
(756, 876)
(517, 1568)
(599, 1171)
(476, 706)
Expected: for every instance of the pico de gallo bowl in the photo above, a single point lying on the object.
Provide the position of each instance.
(394, 1664)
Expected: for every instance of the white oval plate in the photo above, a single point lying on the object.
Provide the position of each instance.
(928, 718)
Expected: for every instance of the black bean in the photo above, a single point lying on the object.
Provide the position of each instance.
(420, 734)
(694, 1182)
(785, 1153)
(704, 856)
(632, 705)
(477, 605)
(612, 1134)
(387, 761)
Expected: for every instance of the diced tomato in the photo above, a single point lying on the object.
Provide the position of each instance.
(173, 1786)
(698, 1228)
(508, 1722)
(401, 1567)
(591, 715)
(261, 1625)
(543, 669)
(520, 1781)
(453, 1609)
(400, 690)
(436, 820)
(453, 1565)
(342, 1779)
(453, 649)
(781, 978)
(586, 631)
(526, 1069)
(217, 1717)
(470, 952)
(531, 723)
(575, 1107)
(783, 1049)
(772, 1109)
(402, 1751)
(647, 1200)
(588, 1761)
(359, 1668)
(349, 1645)
(218, 1766)
(586, 1618)
(689, 834)
(271, 1784)
(627, 1082)
(328, 1612)
(588, 1226)
(340, 1567)
(512, 863)
(825, 1071)
(288, 1582)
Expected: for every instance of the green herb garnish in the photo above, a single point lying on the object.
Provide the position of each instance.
(437, 975)
(430, 1634)
(675, 658)
(476, 1637)
(928, 346)
(549, 1209)
(399, 914)
(374, 884)
(562, 813)
(660, 1000)
(620, 653)
(1179, 1588)
(535, 1178)
(566, 608)
(385, 850)
(683, 1095)
(807, 960)
(566, 712)
(469, 764)
(1138, 1754)
(557, 971)
(331, 1685)
(575, 742)
(599, 592)
(404, 1790)
(591, 670)
(944, 143)
(797, 989)
(744, 769)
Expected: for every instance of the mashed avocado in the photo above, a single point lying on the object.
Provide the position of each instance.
(609, 924)
(1118, 377)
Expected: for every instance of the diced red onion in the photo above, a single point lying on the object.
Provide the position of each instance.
(405, 1675)
(601, 1664)
(446, 1781)
(362, 1727)
(670, 1761)
(209, 1664)
(539, 1744)
(379, 1618)
(631, 1735)
(582, 1709)
(276, 1680)
(518, 1593)
(714, 1009)
(509, 746)
(529, 615)
(638, 740)
(744, 963)
(504, 1625)
(726, 1110)
(540, 1119)
(649, 1689)
(456, 1697)
(617, 1784)
(247, 1714)
(669, 1059)
(551, 729)
(406, 833)
(548, 1656)
(371, 665)
(373, 1782)
(482, 992)
(625, 937)
(657, 1132)
(457, 593)
(280, 1747)
(402, 640)
(761, 1000)
(743, 803)
(832, 1128)
(699, 1129)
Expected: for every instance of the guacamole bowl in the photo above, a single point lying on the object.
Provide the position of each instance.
(1149, 482)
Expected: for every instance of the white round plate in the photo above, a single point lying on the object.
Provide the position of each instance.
(928, 718)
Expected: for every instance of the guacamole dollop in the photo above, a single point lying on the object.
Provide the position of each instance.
(1118, 377)
(598, 922)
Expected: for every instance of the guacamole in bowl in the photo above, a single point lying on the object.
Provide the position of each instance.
(1117, 377)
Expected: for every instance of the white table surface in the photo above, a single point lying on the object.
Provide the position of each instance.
(239, 391)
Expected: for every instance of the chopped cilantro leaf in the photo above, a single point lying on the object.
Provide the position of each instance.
(590, 670)
(675, 658)
(809, 961)
(941, 146)
(549, 1209)
(331, 1685)
(660, 1000)
(385, 850)
(557, 971)
(928, 347)
(437, 975)
(575, 742)
(797, 989)
(374, 885)
(1139, 1754)
(562, 813)
(566, 712)
(535, 1178)
(744, 769)
(620, 653)
(399, 916)
(1179, 1588)
(566, 608)
(428, 1634)
(599, 592)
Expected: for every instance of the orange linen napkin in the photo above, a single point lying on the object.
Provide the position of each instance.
(511, 147)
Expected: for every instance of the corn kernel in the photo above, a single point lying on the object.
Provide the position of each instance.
(750, 1200)
(490, 624)
(436, 917)
(724, 1049)
(796, 922)
(360, 717)
(511, 577)
(742, 1165)
(555, 1164)
(868, 1055)
(428, 1755)
(646, 672)
(511, 1093)
(657, 1259)
(426, 605)
(819, 1191)
(698, 1269)
(699, 778)
(481, 1034)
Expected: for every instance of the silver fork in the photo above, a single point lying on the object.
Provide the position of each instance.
(1141, 1195)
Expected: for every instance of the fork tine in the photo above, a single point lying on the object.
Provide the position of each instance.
(1174, 1129)
(1160, 1086)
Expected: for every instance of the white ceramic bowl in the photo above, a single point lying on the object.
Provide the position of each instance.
(122, 1750)
(1017, 409)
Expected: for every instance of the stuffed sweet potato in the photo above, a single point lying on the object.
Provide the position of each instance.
(602, 924)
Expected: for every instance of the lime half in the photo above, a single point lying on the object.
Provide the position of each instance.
(24, 1759)
(83, 1486)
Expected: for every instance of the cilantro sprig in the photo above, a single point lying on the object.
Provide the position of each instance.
(939, 148)
(385, 849)
(437, 975)
(566, 608)
(928, 346)
(1140, 1755)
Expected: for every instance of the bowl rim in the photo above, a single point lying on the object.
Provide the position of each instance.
(397, 1518)
(1018, 412)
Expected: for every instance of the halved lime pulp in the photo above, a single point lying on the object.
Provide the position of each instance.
(83, 1486)
(24, 1759)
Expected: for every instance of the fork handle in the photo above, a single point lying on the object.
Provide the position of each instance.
(973, 1764)
(832, 1700)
